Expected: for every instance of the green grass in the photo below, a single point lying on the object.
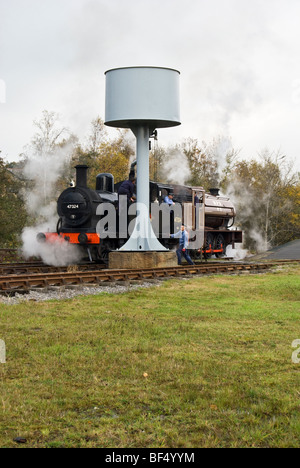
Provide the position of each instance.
(199, 363)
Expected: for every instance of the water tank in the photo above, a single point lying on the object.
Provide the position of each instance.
(142, 95)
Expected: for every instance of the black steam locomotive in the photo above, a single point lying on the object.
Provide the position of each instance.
(79, 216)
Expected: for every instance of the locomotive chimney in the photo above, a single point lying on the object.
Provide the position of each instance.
(81, 175)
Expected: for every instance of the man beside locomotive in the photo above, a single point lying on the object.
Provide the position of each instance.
(183, 245)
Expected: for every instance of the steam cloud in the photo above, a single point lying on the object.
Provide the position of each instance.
(44, 171)
(245, 203)
(221, 150)
(176, 168)
(57, 253)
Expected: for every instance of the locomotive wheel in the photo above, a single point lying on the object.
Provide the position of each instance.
(196, 254)
(209, 245)
(220, 245)
(104, 256)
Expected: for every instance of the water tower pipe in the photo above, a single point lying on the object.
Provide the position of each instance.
(142, 135)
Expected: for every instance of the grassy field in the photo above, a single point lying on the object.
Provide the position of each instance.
(205, 362)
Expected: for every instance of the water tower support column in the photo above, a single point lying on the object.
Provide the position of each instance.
(143, 238)
(142, 99)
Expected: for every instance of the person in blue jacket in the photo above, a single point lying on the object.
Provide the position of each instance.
(183, 245)
(169, 199)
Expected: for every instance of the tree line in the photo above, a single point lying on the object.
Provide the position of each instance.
(265, 189)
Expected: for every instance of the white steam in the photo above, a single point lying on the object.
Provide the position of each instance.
(245, 201)
(56, 253)
(176, 169)
(221, 151)
(237, 253)
(245, 204)
(44, 171)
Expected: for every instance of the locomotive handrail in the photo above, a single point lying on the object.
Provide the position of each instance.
(233, 221)
(58, 226)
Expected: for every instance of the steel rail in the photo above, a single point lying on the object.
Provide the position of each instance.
(39, 267)
(13, 283)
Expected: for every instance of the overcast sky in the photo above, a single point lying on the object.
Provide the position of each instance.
(239, 63)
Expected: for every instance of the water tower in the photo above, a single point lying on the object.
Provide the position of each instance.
(142, 99)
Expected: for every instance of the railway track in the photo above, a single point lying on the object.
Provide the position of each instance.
(95, 275)
(16, 268)
(40, 267)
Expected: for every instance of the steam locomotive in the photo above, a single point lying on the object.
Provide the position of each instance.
(78, 211)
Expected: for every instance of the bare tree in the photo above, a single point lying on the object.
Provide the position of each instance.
(49, 134)
(47, 160)
(97, 136)
(265, 193)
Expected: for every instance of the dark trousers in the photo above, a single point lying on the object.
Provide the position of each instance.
(179, 252)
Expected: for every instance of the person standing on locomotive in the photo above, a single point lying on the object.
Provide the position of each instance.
(169, 199)
(127, 188)
(183, 245)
